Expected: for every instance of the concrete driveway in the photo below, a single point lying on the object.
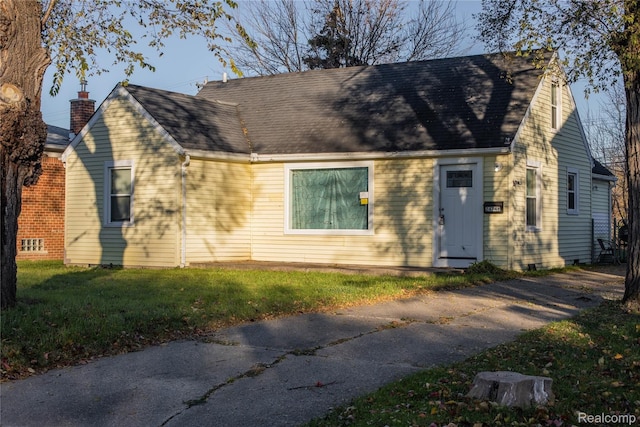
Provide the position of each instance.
(285, 372)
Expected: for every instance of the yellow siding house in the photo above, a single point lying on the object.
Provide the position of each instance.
(439, 163)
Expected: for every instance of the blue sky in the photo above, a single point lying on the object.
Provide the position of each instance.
(188, 62)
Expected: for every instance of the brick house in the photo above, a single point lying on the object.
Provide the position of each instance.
(41, 221)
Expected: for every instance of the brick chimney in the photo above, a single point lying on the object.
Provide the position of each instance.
(82, 109)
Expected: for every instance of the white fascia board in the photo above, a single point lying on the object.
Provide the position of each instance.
(580, 127)
(96, 115)
(121, 92)
(574, 106)
(271, 158)
(555, 58)
(604, 177)
(527, 113)
(535, 97)
(219, 155)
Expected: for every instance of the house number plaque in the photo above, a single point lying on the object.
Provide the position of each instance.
(493, 207)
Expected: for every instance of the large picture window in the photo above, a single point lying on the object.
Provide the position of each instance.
(118, 193)
(329, 200)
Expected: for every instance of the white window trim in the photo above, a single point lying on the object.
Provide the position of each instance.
(331, 165)
(576, 191)
(107, 192)
(557, 115)
(532, 164)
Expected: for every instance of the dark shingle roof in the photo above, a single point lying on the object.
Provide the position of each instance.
(57, 138)
(600, 169)
(195, 124)
(454, 103)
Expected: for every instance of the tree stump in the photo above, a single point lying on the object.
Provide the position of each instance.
(512, 389)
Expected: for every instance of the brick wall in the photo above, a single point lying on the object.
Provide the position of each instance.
(42, 215)
(81, 111)
(41, 222)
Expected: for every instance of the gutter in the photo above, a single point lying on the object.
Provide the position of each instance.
(183, 240)
(267, 158)
(604, 177)
(318, 157)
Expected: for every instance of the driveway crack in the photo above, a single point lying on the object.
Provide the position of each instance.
(259, 368)
(253, 371)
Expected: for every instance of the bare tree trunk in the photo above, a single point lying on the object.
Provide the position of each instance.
(23, 62)
(627, 48)
(632, 282)
(628, 56)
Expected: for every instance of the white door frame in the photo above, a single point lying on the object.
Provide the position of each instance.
(477, 164)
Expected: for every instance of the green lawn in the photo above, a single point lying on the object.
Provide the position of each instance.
(66, 315)
(593, 359)
(69, 315)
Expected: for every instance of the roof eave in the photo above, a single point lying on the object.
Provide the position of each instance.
(375, 155)
(219, 155)
(121, 92)
(604, 177)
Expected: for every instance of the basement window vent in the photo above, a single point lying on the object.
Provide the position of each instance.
(32, 245)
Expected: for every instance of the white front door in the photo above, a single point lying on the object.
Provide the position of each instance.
(459, 216)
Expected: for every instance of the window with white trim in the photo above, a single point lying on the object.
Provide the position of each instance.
(119, 184)
(556, 105)
(335, 198)
(534, 202)
(573, 191)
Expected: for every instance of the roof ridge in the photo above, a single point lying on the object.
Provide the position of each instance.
(354, 68)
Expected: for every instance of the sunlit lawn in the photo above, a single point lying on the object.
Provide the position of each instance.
(67, 315)
(71, 315)
(593, 360)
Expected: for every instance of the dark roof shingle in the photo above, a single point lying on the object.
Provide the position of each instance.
(195, 124)
(57, 138)
(600, 169)
(455, 103)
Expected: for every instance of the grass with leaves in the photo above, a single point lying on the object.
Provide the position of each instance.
(593, 359)
(68, 315)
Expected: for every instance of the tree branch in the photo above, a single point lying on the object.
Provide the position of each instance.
(47, 13)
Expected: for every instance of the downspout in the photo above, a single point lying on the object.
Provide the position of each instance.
(183, 249)
(66, 203)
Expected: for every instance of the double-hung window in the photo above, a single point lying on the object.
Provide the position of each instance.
(572, 191)
(118, 203)
(334, 198)
(534, 202)
(556, 105)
